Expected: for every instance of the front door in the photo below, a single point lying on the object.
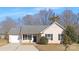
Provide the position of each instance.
(34, 38)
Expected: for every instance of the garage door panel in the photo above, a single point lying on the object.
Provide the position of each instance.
(13, 38)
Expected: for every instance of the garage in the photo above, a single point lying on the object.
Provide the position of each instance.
(14, 35)
(14, 39)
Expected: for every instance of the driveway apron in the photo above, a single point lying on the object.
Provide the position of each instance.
(18, 47)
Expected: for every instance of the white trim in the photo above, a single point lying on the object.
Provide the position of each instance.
(32, 38)
(22, 37)
(46, 28)
(59, 25)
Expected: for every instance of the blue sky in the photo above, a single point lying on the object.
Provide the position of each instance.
(16, 12)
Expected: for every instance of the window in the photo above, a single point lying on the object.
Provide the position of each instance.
(60, 36)
(29, 37)
(49, 36)
(25, 37)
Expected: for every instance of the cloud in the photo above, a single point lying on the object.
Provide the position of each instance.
(17, 14)
(10, 14)
(24, 11)
(46, 8)
(20, 12)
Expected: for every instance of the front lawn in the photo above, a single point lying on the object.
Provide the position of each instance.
(3, 42)
(56, 47)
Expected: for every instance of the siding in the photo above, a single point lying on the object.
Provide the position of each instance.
(55, 30)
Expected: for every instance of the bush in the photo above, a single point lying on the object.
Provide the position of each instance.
(78, 39)
(67, 40)
(70, 31)
(43, 40)
(77, 42)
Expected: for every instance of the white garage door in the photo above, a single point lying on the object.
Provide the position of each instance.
(13, 38)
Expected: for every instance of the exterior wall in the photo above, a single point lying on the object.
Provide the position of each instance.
(32, 38)
(27, 40)
(2, 36)
(14, 38)
(55, 30)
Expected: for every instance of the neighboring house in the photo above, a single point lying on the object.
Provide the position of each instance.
(2, 34)
(32, 33)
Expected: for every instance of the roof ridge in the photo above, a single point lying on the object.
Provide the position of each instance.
(59, 25)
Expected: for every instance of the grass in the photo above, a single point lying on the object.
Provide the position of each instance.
(3, 42)
(50, 47)
(56, 47)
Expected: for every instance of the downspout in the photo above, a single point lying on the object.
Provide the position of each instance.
(20, 35)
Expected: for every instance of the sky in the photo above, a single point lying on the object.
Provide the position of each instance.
(16, 12)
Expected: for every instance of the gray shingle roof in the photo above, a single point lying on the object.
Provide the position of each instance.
(31, 29)
(28, 29)
(15, 30)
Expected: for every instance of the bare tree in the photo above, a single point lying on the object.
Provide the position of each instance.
(54, 18)
(28, 19)
(40, 18)
(68, 17)
(77, 19)
(7, 25)
(44, 16)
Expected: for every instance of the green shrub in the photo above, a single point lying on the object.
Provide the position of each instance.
(77, 42)
(78, 39)
(43, 40)
(70, 31)
(67, 40)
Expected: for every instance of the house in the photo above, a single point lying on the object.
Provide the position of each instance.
(32, 33)
(2, 34)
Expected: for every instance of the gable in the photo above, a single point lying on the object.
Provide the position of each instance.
(54, 28)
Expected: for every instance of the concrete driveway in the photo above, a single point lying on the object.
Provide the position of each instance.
(18, 47)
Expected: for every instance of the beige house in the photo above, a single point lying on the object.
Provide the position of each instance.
(32, 33)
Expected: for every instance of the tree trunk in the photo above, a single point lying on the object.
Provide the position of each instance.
(66, 47)
(7, 37)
